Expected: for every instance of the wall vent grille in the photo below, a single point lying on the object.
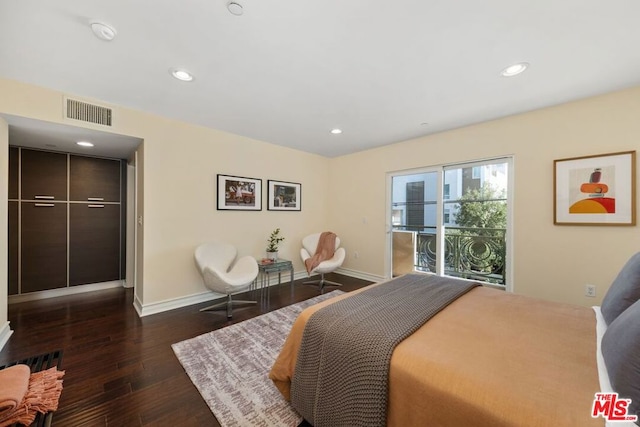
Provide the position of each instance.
(90, 113)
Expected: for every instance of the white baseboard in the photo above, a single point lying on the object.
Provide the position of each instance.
(172, 304)
(360, 275)
(137, 305)
(5, 333)
(71, 290)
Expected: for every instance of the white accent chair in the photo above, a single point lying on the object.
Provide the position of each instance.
(224, 274)
(309, 246)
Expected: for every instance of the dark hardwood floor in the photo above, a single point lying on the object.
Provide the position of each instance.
(120, 368)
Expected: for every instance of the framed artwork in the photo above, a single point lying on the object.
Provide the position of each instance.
(284, 196)
(595, 190)
(239, 193)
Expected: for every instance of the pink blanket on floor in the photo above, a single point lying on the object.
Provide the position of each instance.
(14, 382)
(42, 395)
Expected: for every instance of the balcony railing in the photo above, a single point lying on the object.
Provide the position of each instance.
(471, 253)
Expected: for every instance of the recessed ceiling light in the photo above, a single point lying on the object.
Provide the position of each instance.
(235, 8)
(84, 144)
(336, 131)
(515, 69)
(183, 75)
(103, 31)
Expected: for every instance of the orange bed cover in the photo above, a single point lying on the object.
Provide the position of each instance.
(491, 359)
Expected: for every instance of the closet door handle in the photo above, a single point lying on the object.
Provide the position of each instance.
(44, 205)
(44, 197)
(95, 199)
(96, 206)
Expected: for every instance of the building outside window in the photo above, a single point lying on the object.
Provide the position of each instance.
(460, 231)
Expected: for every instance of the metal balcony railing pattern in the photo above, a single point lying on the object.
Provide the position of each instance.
(470, 253)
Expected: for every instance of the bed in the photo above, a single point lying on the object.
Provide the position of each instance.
(492, 358)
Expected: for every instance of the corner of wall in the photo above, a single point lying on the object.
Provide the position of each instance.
(5, 333)
(4, 234)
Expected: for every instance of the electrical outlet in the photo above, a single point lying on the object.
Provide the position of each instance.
(590, 290)
(356, 255)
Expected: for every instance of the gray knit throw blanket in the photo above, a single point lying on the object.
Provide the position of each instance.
(342, 370)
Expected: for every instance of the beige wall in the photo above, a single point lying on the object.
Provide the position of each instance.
(139, 240)
(177, 171)
(180, 167)
(4, 195)
(179, 162)
(551, 262)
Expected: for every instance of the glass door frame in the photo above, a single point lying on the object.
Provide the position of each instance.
(389, 215)
(440, 169)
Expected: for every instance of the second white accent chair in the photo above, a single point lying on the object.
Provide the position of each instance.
(309, 246)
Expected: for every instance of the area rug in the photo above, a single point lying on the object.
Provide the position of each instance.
(230, 368)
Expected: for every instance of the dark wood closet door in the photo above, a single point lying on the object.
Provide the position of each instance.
(43, 175)
(13, 172)
(43, 246)
(94, 180)
(94, 243)
(13, 248)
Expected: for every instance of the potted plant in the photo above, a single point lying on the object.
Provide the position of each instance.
(273, 242)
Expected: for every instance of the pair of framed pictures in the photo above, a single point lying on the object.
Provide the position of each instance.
(245, 194)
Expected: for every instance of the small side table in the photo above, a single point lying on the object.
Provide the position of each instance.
(277, 266)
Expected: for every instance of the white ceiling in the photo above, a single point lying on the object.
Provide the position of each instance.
(288, 71)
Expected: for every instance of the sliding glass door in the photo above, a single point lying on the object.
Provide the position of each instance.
(414, 215)
(452, 221)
